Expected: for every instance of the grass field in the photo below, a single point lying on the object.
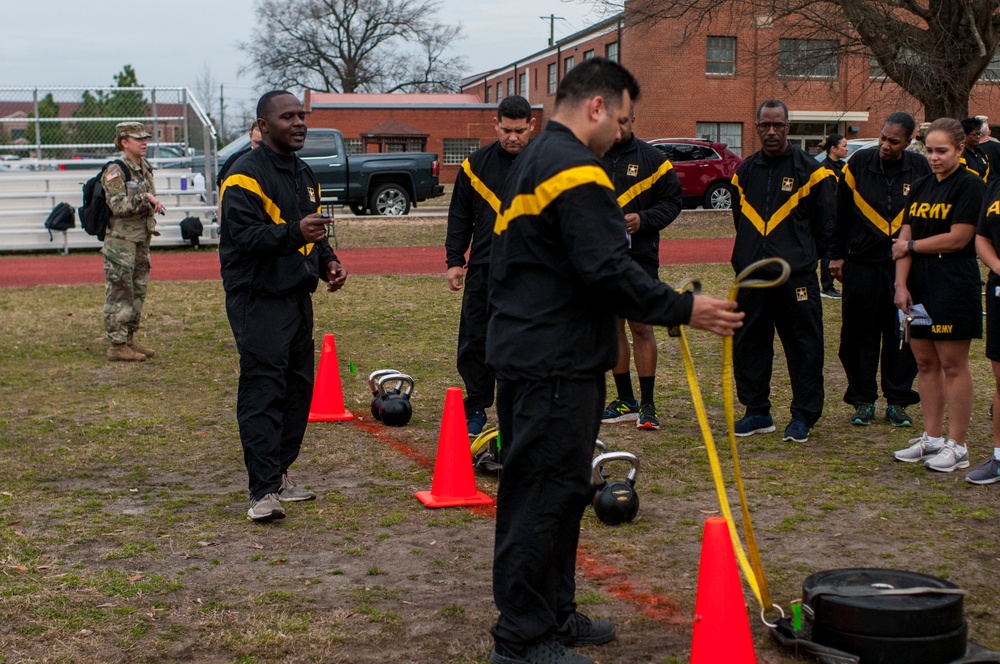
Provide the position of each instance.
(123, 536)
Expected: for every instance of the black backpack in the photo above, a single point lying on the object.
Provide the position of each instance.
(191, 230)
(95, 213)
(62, 218)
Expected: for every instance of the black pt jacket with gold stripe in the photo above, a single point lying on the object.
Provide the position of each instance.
(870, 203)
(782, 207)
(646, 183)
(559, 268)
(261, 247)
(475, 202)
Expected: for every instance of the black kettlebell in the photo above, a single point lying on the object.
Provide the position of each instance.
(373, 384)
(396, 409)
(615, 502)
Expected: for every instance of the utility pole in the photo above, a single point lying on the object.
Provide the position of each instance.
(222, 115)
(552, 18)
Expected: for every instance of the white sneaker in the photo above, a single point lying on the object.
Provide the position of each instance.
(920, 449)
(267, 508)
(948, 459)
(292, 492)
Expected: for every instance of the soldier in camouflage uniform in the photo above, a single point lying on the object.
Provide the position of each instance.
(133, 205)
(917, 145)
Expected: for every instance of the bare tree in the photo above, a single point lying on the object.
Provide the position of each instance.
(352, 46)
(936, 50)
(205, 88)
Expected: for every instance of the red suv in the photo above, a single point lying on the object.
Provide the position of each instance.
(705, 169)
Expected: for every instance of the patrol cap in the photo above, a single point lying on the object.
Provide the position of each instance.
(922, 129)
(129, 130)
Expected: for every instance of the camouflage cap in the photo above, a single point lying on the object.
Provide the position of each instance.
(130, 130)
(922, 129)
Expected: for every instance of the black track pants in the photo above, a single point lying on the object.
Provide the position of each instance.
(275, 342)
(479, 380)
(547, 429)
(870, 333)
(793, 309)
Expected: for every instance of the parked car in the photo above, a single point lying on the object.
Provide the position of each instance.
(378, 183)
(705, 169)
(853, 145)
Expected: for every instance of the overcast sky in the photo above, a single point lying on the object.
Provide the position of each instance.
(86, 42)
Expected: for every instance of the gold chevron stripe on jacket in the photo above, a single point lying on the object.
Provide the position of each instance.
(270, 207)
(532, 204)
(887, 227)
(639, 187)
(765, 227)
(481, 187)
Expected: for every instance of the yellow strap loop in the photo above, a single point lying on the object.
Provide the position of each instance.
(749, 559)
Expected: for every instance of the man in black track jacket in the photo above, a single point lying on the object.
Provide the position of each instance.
(649, 193)
(870, 201)
(273, 252)
(784, 208)
(559, 274)
(474, 205)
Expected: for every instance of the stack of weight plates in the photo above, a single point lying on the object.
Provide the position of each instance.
(848, 614)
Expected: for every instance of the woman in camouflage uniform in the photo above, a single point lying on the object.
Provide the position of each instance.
(132, 199)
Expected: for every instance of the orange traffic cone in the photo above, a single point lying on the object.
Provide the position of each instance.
(721, 626)
(328, 396)
(453, 483)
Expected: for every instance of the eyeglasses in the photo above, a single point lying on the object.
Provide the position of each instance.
(768, 126)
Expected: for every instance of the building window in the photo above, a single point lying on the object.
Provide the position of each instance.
(457, 149)
(587, 55)
(353, 145)
(611, 51)
(553, 83)
(18, 133)
(489, 93)
(567, 65)
(730, 133)
(808, 58)
(522, 83)
(499, 91)
(992, 72)
(875, 69)
(178, 134)
(720, 55)
(510, 86)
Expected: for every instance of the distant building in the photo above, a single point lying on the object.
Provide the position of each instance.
(710, 85)
(452, 125)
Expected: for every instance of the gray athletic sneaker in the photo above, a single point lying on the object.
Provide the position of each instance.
(920, 449)
(546, 652)
(987, 473)
(948, 459)
(267, 508)
(291, 492)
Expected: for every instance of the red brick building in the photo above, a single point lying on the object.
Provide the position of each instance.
(452, 125)
(709, 83)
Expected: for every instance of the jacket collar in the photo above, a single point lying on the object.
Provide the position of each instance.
(291, 164)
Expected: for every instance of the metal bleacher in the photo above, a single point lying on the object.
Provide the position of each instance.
(27, 198)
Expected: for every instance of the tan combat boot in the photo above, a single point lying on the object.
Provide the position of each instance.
(122, 353)
(134, 345)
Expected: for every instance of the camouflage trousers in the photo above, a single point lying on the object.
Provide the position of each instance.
(126, 277)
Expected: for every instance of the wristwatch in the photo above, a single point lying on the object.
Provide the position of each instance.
(909, 246)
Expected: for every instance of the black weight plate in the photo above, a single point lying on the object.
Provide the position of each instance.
(886, 615)
(938, 649)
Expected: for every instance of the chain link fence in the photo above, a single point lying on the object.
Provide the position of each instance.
(60, 128)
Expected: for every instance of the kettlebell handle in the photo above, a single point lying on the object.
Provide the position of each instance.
(404, 383)
(375, 375)
(601, 459)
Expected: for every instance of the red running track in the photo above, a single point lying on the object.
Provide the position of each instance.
(203, 265)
